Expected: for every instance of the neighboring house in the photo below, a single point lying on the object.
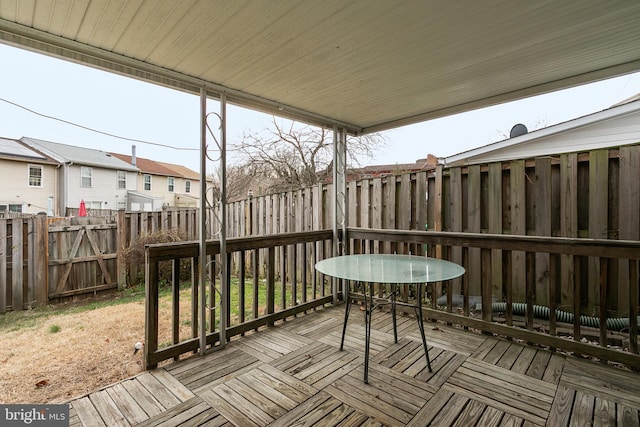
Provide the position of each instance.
(161, 185)
(187, 186)
(381, 171)
(614, 127)
(100, 179)
(29, 180)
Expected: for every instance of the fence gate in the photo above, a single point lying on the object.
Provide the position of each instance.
(82, 256)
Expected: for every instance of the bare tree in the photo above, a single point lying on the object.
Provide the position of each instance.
(295, 153)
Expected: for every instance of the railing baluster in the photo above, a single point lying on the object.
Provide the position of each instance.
(175, 298)
(603, 301)
(151, 310)
(271, 260)
(634, 283)
(241, 286)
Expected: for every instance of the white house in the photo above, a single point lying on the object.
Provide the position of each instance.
(614, 127)
(29, 180)
(161, 185)
(96, 177)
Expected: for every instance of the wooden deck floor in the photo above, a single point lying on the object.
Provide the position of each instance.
(294, 374)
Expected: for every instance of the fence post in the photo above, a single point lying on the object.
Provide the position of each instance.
(17, 259)
(3, 265)
(39, 264)
(121, 242)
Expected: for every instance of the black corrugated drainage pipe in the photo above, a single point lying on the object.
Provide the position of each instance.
(542, 312)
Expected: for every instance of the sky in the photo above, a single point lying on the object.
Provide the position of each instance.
(135, 110)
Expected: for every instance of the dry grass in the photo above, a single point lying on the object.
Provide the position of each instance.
(89, 350)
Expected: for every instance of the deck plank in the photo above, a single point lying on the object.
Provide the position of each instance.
(628, 417)
(455, 407)
(172, 384)
(299, 411)
(582, 411)
(142, 397)
(554, 369)
(432, 409)
(603, 381)
(191, 412)
(367, 404)
(230, 411)
(87, 413)
(107, 409)
(132, 411)
(490, 417)
(604, 413)
(244, 404)
(561, 408)
(158, 390)
(471, 414)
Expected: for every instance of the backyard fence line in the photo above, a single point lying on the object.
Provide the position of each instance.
(593, 194)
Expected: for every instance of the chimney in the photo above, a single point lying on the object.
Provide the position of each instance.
(133, 155)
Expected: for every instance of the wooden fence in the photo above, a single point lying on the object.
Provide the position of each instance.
(593, 194)
(586, 195)
(44, 260)
(23, 263)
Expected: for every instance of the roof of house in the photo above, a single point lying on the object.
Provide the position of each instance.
(614, 127)
(182, 171)
(64, 153)
(14, 150)
(147, 165)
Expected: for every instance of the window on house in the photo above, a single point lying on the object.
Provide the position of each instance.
(187, 186)
(15, 208)
(121, 180)
(121, 206)
(86, 177)
(147, 182)
(35, 176)
(170, 184)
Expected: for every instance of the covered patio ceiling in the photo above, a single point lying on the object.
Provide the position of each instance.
(364, 65)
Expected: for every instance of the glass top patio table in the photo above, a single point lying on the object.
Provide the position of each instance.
(382, 268)
(388, 269)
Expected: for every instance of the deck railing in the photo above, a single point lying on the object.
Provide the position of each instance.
(482, 299)
(274, 278)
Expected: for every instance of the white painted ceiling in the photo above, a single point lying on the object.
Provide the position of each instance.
(366, 65)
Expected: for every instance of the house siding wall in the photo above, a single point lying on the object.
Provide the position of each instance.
(160, 185)
(104, 188)
(15, 187)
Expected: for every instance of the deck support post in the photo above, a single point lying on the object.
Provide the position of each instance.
(202, 236)
(224, 264)
(339, 198)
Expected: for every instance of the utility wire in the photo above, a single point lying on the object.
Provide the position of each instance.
(97, 131)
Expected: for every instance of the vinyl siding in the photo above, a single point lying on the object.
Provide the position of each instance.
(16, 190)
(104, 188)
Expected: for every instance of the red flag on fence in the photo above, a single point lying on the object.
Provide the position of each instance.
(83, 209)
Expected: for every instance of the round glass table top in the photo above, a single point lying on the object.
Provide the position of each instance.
(380, 268)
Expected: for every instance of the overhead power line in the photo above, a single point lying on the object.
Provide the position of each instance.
(96, 130)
